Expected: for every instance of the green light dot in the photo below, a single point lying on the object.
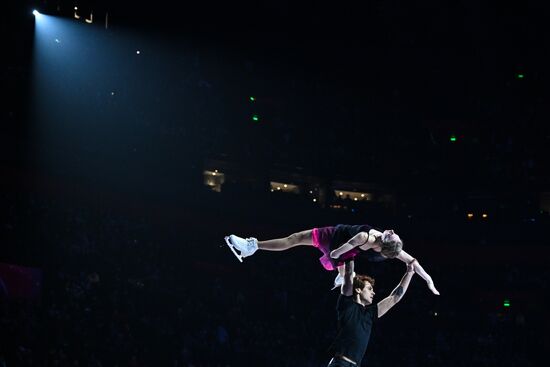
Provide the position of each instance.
(255, 118)
(452, 138)
(520, 76)
(252, 98)
(506, 303)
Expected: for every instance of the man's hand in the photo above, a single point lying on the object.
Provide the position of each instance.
(410, 266)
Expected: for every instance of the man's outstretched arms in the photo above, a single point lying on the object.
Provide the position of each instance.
(398, 292)
(347, 286)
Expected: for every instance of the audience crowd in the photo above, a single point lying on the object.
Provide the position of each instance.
(129, 289)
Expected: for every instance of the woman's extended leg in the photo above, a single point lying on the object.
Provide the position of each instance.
(248, 246)
(303, 238)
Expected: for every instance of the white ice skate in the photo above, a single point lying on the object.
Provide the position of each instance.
(244, 246)
(339, 280)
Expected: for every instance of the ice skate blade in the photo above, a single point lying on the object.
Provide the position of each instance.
(233, 249)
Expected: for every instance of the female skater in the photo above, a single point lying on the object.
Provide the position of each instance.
(337, 244)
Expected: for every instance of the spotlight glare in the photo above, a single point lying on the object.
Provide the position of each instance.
(35, 13)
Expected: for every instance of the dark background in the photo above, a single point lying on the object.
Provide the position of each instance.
(103, 195)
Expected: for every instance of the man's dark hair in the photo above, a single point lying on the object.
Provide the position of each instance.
(359, 281)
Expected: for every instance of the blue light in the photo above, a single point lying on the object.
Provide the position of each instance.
(35, 13)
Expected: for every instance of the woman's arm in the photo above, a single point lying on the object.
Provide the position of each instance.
(418, 269)
(360, 239)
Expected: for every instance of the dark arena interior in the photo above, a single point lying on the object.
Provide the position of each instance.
(135, 136)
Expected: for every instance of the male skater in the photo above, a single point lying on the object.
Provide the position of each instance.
(357, 314)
